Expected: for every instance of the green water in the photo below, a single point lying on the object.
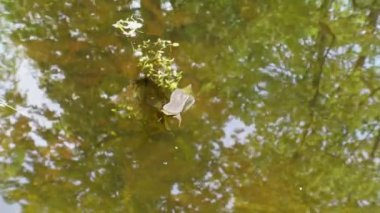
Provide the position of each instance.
(286, 118)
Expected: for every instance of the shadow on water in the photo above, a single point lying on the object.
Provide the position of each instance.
(286, 115)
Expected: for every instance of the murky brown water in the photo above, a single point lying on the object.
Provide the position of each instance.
(286, 118)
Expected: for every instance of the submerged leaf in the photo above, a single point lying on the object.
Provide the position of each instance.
(180, 101)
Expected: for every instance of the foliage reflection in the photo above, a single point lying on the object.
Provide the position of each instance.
(286, 118)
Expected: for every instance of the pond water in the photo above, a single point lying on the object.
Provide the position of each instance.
(286, 115)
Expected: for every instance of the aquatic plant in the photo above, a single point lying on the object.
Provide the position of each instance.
(154, 59)
(129, 26)
(156, 64)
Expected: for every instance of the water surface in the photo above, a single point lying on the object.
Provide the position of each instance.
(286, 118)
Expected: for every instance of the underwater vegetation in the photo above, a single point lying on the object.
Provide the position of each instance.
(158, 67)
(286, 117)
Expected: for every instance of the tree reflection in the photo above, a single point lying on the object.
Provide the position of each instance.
(301, 80)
